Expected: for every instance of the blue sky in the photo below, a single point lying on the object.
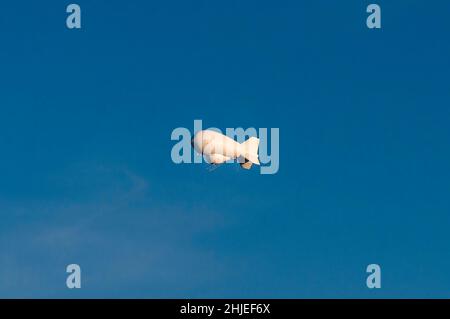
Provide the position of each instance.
(86, 174)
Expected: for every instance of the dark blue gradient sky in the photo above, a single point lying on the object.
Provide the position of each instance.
(86, 175)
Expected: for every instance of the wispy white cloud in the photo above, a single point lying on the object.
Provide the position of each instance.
(125, 240)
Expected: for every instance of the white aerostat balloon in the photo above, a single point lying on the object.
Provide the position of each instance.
(218, 148)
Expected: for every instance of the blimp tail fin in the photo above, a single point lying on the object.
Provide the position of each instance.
(250, 149)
